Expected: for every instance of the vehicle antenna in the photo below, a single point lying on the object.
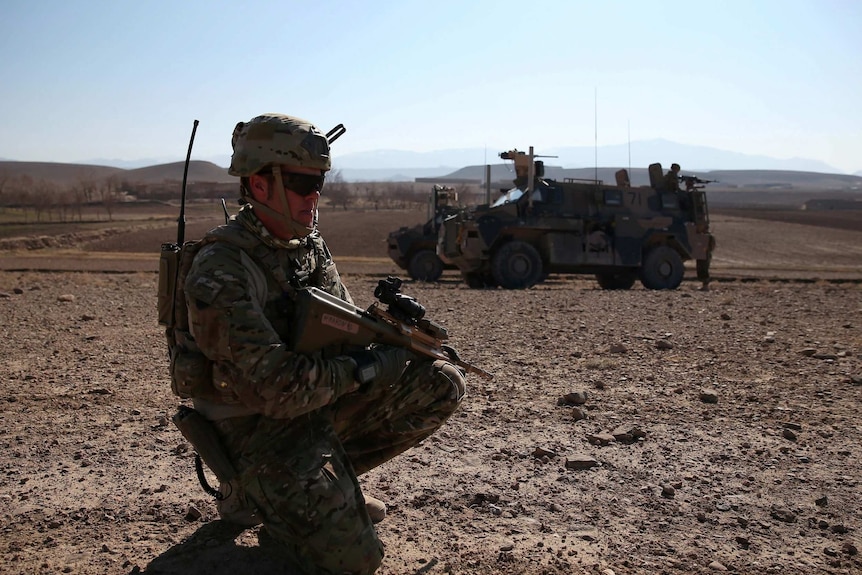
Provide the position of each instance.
(596, 140)
(629, 128)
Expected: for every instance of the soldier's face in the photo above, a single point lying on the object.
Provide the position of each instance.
(302, 203)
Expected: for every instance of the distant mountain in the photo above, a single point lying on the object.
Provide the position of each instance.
(641, 153)
(391, 174)
(501, 173)
(130, 164)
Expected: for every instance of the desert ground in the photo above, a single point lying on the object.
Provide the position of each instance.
(624, 432)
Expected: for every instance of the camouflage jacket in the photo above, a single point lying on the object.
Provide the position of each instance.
(671, 181)
(240, 305)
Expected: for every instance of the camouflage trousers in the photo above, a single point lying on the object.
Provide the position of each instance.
(301, 474)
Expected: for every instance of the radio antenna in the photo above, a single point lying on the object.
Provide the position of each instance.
(181, 221)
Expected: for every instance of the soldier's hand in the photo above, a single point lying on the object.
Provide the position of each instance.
(382, 364)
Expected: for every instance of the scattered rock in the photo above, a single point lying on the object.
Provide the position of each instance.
(668, 491)
(573, 398)
(708, 396)
(849, 549)
(66, 298)
(618, 348)
(578, 414)
(600, 439)
(580, 462)
(541, 452)
(821, 501)
(717, 566)
(193, 514)
(783, 515)
(788, 434)
(628, 434)
(807, 351)
(663, 344)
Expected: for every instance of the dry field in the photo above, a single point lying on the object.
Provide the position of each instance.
(624, 432)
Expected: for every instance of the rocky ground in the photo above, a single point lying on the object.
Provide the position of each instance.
(624, 432)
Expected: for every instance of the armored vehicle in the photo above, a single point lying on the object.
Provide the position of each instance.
(415, 249)
(617, 232)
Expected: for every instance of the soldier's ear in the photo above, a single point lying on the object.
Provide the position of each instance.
(259, 187)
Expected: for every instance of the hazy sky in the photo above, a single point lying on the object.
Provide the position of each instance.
(118, 79)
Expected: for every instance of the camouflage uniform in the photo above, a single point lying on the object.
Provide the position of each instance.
(671, 181)
(294, 426)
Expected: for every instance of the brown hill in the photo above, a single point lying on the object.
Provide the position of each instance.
(69, 174)
(199, 171)
(56, 173)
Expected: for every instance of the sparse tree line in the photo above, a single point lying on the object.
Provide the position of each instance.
(40, 200)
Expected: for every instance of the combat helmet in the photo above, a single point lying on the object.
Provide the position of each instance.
(277, 139)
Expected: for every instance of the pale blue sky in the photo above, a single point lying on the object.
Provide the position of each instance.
(125, 79)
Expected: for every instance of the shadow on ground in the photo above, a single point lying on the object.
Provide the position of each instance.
(213, 550)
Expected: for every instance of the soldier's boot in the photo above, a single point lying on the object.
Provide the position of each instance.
(235, 508)
(376, 509)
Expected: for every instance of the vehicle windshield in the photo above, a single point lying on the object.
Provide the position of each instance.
(510, 196)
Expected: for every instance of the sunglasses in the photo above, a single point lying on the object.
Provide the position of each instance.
(302, 184)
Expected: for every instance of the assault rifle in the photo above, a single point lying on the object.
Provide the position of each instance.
(324, 320)
(695, 183)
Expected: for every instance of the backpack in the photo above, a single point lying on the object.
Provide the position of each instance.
(190, 369)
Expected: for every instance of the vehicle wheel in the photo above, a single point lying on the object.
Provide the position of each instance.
(616, 280)
(662, 268)
(516, 265)
(425, 266)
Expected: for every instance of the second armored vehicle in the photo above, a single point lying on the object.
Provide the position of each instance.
(415, 249)
(619, 233)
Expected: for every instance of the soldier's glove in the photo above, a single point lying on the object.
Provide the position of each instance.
(381, 364)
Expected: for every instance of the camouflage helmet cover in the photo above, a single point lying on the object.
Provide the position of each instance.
(276, 139)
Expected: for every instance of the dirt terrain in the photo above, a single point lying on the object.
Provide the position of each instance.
(624, 432)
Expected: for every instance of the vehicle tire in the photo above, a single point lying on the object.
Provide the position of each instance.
(662, 268)
(516, 265)
(617, 280)
(425, 266)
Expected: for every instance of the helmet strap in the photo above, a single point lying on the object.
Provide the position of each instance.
(296, 229)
